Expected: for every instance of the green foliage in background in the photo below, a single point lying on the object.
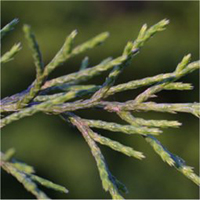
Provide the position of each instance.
(55, 97)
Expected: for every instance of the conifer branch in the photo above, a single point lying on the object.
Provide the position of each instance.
(25, 180)
(173, 160)
(121, 128)
(8, 56)
(166, 156)
(37, 56)
(8, 28)
(137, 122)
(86, 74)
(62, 95)
(25, 175)
(104, 172)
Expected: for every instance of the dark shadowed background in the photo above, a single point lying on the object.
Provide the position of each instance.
(56, 150)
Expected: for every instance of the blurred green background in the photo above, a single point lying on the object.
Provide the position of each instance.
(56, 150)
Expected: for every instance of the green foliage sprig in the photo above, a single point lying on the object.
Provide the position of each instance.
(25, 175)
(37, 98)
